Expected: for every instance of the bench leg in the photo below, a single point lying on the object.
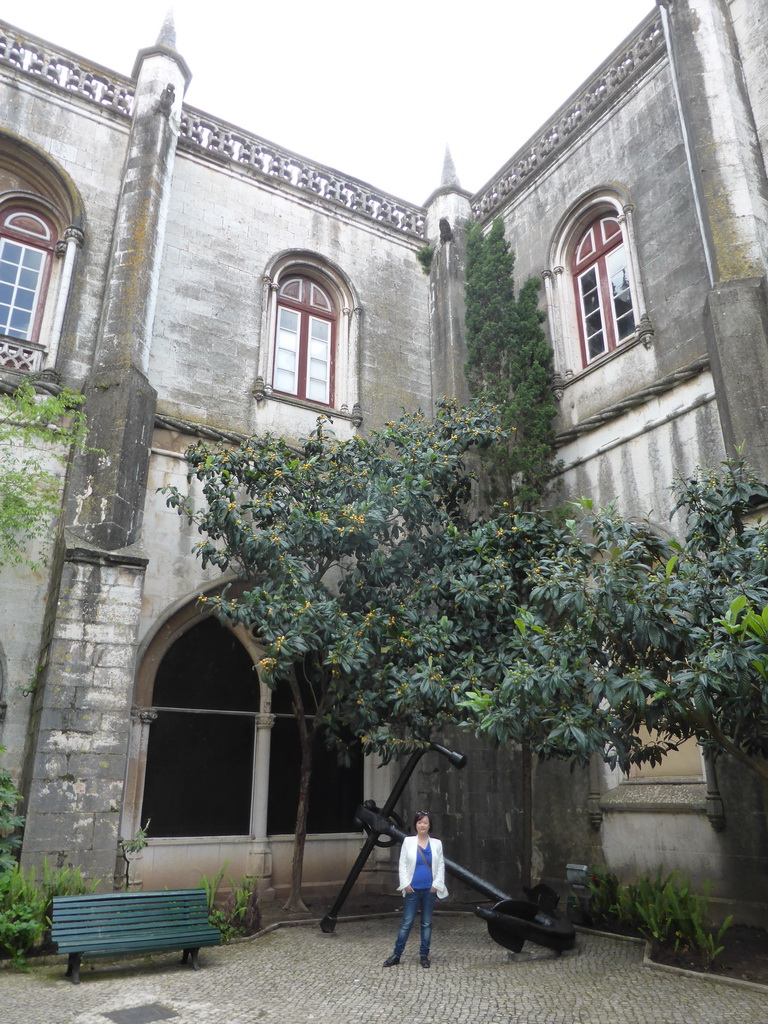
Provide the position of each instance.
(194, 952)
(73, 967)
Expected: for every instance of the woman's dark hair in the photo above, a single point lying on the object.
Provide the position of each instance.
(419, 815)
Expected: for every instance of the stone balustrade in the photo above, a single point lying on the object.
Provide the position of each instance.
(34, 58)
(212, 137)
(590, 103)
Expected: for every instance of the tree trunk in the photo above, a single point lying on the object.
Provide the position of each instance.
(526, 852)
(295, 901)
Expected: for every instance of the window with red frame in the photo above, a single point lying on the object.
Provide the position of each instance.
(26, 244)
(603, 294)
(304, 340)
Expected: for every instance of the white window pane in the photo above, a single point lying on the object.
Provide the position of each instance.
(32, 259)
(317, 390)
(616, 265)
(12, 252)
(19, 323)
(289, 320)
(318, 349)
(591, 314)
(286, 360)
(21, 275)
(287, 351)
(616, 262)
(285, 381)
(321, 329)
(25, 299)
(318, 368)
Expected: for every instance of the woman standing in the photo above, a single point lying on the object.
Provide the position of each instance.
(422, 880)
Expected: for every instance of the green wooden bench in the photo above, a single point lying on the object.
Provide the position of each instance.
(122, 923)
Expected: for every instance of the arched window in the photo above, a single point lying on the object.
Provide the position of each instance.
(200, 758)
(304, 341)
(601, 278)
(27, 240)
(595, 297)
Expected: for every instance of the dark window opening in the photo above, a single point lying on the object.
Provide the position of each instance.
(199, 772)
(335, 791)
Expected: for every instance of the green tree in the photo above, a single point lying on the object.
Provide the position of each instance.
(509, 363)
(624, 629)
(376, 593)
(36, 433)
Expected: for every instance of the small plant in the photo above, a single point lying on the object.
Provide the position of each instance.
(604, 889)
(425, 255)
(134, 845)
(240, 912)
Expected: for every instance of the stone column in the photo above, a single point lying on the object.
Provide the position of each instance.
(729, 184)
(78, 750)
(81, 718)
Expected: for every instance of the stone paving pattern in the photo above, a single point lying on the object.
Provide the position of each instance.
(297, 974)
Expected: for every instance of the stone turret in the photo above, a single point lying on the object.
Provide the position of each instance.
(448, 214)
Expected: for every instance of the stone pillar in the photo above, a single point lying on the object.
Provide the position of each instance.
(730, 188)
(448, 215)
(79, 744)
(81, 718)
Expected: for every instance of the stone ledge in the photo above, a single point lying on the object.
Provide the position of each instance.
(656, 798)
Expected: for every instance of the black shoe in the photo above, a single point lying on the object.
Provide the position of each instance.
(425, 961)
(392, 961)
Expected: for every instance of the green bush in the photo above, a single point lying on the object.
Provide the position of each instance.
(663, 910)
(239, 913)
(25, 906)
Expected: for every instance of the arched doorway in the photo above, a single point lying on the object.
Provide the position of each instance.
(214, 766)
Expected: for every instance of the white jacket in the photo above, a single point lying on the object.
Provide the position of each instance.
(408, 856)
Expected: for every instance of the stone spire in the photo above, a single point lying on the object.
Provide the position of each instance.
(167, 35)
(450, 177)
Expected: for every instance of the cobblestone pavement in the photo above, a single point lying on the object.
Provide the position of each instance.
(297, 974)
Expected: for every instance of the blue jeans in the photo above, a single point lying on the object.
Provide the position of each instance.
(422, 900)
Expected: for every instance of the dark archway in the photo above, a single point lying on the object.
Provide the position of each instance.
(200, 757)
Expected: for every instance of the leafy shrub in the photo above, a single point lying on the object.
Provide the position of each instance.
(604, 889)
(240, 911)
(25, 906)
(663, 910)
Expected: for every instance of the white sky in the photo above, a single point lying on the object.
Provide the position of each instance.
(374, 90)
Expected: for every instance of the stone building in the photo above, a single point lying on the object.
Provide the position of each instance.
(194, 280)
